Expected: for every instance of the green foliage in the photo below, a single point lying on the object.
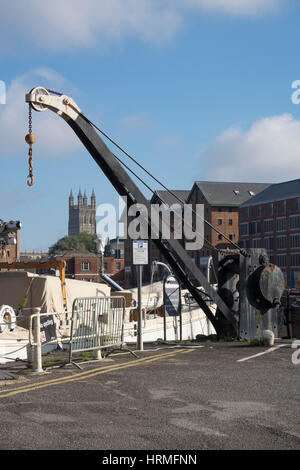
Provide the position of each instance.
(83, 241)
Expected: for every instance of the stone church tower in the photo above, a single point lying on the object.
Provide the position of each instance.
(82, 217)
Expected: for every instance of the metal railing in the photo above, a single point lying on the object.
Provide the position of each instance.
(97, 323)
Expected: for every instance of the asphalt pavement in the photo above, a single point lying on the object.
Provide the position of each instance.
(216, 396)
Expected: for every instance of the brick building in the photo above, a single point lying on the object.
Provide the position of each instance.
(82, 265)
(221, 202)
(33, 256)
(11, 253)
(114, 268)
(115, 248)
(271, 220)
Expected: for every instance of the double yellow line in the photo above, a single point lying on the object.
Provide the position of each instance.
(88, 374)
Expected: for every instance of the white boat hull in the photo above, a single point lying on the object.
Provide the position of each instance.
(193, 323)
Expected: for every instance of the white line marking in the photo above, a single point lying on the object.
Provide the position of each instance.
(264, 352)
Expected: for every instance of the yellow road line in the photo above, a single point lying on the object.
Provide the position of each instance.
(84, 375)
(188, 351)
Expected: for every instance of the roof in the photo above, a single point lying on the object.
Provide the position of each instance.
(77, 254)
(219, 193)
(276, 192)
(168, 198)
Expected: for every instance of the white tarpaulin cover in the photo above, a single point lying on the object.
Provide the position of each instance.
(45, 291)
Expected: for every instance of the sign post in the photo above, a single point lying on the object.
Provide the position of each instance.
(140, 258)
(172, 302)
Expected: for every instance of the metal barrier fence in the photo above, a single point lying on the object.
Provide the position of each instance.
(97, 323)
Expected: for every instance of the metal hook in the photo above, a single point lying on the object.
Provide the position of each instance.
(30, 180)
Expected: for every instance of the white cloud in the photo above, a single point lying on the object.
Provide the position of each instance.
(69, 24)
(236, 7)
(73, 23)
(267, 151)
(53, 136)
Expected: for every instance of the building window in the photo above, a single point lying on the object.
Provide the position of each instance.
(269, 243)
(256, 243)
(243, 243)
(105, 266)
(230, 222)
(295, 260)
(294, 221)
(283, 207)
(247, 213)
(85, 266)
(281, 261)
(298, 204)
(118, 266)
(244, 229)
(268, 226)
(219, 221)
(281, 243)
(254, 227)
(220, 237)
(258, 211)
(271, 207)
(230, 236)
(281, 224)
(295, 241)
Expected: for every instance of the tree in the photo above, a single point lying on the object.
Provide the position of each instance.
(83, 241)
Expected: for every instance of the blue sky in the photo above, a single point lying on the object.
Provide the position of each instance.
(196, 89)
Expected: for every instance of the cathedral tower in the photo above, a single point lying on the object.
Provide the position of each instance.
(82, 217)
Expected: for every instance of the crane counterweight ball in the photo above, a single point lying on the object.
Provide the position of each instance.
(30, 139)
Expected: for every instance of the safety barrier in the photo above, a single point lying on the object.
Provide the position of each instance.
(97, 323)
(42, 330)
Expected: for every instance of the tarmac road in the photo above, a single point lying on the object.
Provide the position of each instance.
(188, 399)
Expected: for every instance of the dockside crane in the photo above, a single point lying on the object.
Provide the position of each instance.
(260, 284)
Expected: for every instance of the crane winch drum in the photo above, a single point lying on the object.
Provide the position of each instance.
(252, 288)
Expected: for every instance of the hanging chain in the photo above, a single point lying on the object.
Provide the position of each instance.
(29, 120)
(30, 139)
